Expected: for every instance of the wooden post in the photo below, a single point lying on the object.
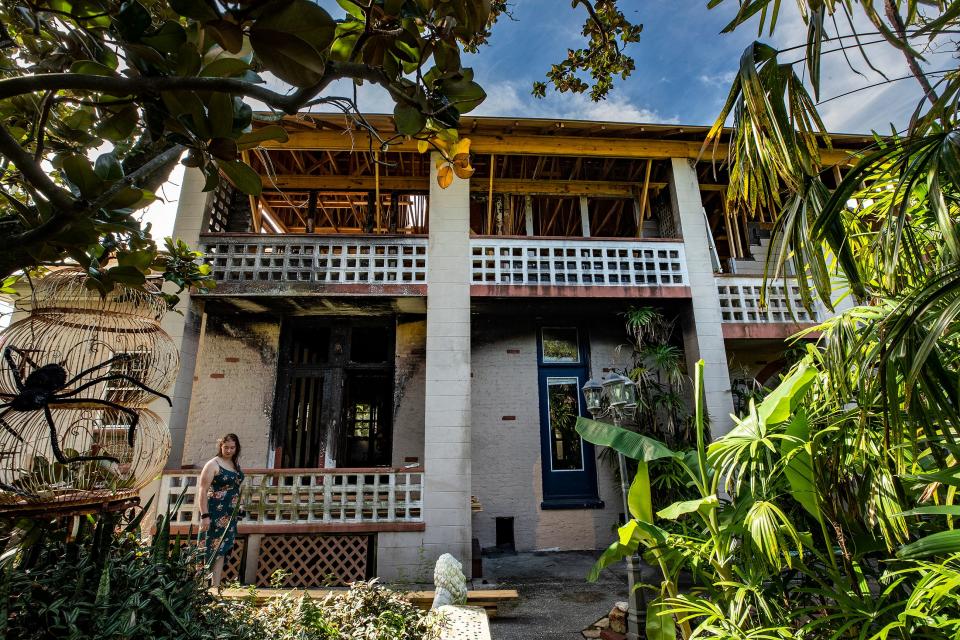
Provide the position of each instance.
(493, 167)
(584, 217)
(256, 222)
(311, 221)
(638, 217)
(528, 214)
(644, 196)
(376, 184)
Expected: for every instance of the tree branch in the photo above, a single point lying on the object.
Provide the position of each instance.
(894, 17)
(120, 86)
(34, 174)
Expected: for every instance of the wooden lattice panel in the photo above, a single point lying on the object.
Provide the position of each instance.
(313, 560)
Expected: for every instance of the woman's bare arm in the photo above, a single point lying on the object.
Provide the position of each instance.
(203, 487)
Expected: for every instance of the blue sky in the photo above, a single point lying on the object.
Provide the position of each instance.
(684, 69)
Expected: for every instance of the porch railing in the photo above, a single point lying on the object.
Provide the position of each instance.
(308, 496)
(740, 302)
(577, 262)
(265, 259)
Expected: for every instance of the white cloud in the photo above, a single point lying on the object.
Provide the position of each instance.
(511, 99)
(722, 80)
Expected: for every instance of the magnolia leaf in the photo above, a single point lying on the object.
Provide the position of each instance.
(125, 198)
(91, 68)
(199, 11)
(253, 138)
(445, 176)
(225, 68)
(241, 176)
(220, 115)
(128, 275)
(423, 146)
(289, 58)
(227, 34)
(463, 172)
(409, 120)
(168, 39)
(223, 148)
(108, 167)
(78, 171)
(464, 95)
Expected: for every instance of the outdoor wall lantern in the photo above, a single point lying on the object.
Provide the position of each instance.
(615, 397)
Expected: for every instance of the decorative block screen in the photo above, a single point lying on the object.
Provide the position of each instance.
(740, 302)
(333, 260)
(521, 261)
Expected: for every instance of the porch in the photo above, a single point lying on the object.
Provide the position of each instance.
(319, 526)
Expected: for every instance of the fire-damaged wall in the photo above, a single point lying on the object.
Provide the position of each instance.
(506, 439)
(233, 387)
(408, 390)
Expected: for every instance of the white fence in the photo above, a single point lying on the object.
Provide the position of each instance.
(308, 496)
(577, 262)
(249, 258)
(740, 302)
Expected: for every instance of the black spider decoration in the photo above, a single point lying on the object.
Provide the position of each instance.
(46, 385)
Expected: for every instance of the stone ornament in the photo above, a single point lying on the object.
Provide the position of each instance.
(450, 585)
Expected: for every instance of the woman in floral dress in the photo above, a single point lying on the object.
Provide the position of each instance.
(219, 496)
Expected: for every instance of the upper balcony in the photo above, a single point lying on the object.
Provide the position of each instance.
(346, 223)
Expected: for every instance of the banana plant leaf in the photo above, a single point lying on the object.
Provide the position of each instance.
(633, 445)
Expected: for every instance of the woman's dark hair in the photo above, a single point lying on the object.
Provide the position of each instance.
(236, 454)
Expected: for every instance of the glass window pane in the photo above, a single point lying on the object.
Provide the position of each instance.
(560, 344)
(566, 448)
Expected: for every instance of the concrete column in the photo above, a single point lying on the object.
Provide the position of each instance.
(702, 329)
(184, 327)
(447, 414)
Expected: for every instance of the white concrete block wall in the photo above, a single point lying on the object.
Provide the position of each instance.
(703, 330)
(184, 324)
(507, 457)
(447, 455)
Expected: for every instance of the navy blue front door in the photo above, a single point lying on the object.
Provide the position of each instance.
(568, 463)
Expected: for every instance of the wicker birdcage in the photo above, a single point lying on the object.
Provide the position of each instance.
(108, 358)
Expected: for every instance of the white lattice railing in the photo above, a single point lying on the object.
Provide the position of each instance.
(740, 301)
(265, 259)
(580, 262)
(308, 496)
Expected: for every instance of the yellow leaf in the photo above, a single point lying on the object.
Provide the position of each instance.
(461, 160)
(462, 147)
(445, 177)
(463, 171)
(422, 146)
(442, 145)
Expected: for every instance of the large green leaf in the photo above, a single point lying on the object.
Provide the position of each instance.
(639, 499)
(633, 445)
(799, 469)
(678, 509)
(936, 544)
(253, 138)
(660, 624)
(241, 176)
(292, 41)
(934, 510)
(780, 403)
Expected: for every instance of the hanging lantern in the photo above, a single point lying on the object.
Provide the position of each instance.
(76, 376)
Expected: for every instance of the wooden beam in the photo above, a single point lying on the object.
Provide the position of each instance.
(493, 166)
(644, 193)
(514, 186)
(330, 140)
